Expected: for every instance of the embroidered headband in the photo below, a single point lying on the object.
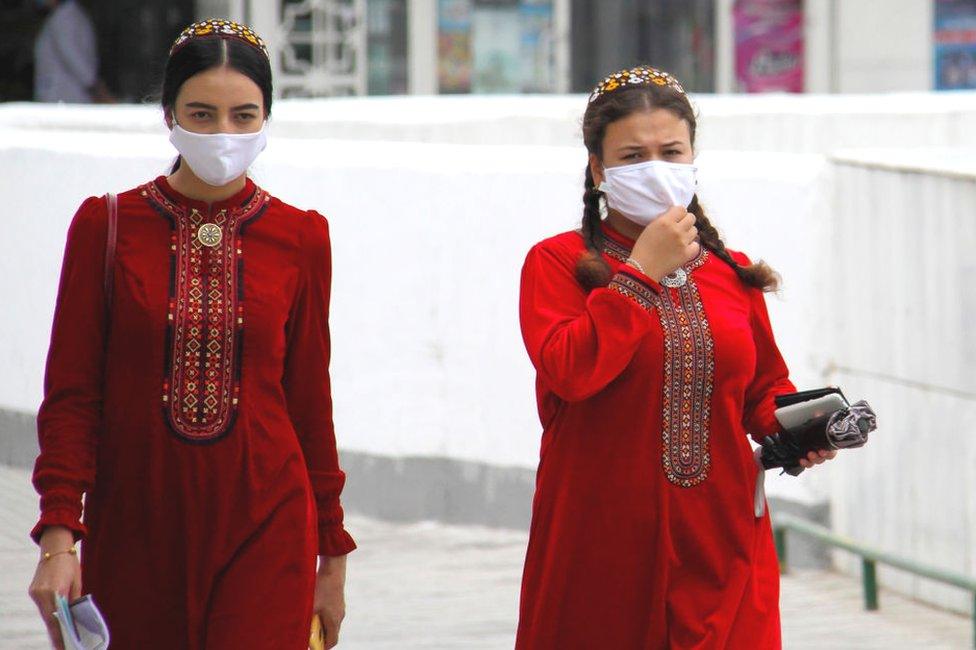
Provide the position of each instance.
(639, 76)
(221, 29)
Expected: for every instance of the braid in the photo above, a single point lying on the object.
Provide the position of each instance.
(758, 275)
(592, 270)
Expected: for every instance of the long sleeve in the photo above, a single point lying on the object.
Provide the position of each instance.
(70, 414)
(308, 389)
(771, 377)
(579, 343)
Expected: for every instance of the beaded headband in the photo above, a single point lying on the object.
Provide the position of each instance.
(221, 29)
(639, 76)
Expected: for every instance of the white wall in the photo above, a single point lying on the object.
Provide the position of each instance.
(903, 270)
(429, 241)
(875, 248)
(778, 123)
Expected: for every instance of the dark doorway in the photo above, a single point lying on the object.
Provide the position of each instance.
(674, 35)
(133, 39)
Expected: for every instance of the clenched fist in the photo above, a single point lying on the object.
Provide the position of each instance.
(668, 242)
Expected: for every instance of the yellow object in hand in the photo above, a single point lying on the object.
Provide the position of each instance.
(317, 639)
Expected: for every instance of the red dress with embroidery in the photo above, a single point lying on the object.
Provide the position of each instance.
(195, 417)
(643, 527)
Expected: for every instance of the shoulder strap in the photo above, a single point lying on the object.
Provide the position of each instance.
(113, 221)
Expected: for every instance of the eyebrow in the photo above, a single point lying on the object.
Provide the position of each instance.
(211, 107)
(640, 147)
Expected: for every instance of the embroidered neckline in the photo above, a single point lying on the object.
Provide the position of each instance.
(689, 371)
(689, 375)
(205, 317)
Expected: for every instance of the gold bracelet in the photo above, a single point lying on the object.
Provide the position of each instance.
(70, 551)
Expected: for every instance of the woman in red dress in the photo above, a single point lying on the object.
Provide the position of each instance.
(191, 404)
(655, 360)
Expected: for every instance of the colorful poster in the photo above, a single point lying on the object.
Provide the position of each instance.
(955, 44)
(454, 61)
(768, 45)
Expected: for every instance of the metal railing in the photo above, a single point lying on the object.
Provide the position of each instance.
(870, 558)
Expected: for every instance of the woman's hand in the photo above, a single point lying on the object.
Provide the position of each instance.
(61, 574)
(330, 601)
(667, 243)
(817, 457)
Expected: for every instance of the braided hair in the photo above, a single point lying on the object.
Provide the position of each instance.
(592, 270)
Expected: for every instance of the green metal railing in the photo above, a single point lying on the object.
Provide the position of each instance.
(870, 558)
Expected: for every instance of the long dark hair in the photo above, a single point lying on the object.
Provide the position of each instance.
(205, 52)
(592, 269)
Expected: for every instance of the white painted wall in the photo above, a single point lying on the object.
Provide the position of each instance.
(777, 123)
(875, 247)
(902, 266)
(429, 240)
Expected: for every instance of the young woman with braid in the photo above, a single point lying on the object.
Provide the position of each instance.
(655, 359)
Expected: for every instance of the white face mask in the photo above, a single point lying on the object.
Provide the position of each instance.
(218, 158)
(645, 191)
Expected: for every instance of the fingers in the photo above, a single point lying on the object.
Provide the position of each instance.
(75, 592)
(331, 629)
(54, 631)
(46, 606)
(817, 457)
(59, 575)
(687, 228)
(675, 213)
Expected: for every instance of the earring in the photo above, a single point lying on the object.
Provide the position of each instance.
(603, 206)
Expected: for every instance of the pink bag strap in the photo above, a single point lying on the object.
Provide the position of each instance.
(112, 202)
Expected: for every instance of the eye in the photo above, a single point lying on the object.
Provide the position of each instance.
(673, 152)
(199, 115)
(245, 117)
(632, 156)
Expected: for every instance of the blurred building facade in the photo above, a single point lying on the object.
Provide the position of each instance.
(380, 47)
(554, 46)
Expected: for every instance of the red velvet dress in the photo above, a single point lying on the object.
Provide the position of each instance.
(643, 532)
(196, 418)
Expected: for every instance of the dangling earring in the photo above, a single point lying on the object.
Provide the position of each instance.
(603, 206)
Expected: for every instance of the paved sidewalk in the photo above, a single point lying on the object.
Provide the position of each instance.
(435, 587)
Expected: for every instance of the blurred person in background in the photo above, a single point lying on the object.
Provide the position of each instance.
(655, 361)
(66, 56)
(187, 391)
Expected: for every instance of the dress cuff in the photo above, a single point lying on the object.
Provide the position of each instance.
(636, 286)
(67, 517)
(334, 540)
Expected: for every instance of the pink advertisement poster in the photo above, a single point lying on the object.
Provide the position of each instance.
(768, 45)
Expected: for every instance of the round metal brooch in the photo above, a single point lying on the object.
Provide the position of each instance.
(676, 279)
(210, 235)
